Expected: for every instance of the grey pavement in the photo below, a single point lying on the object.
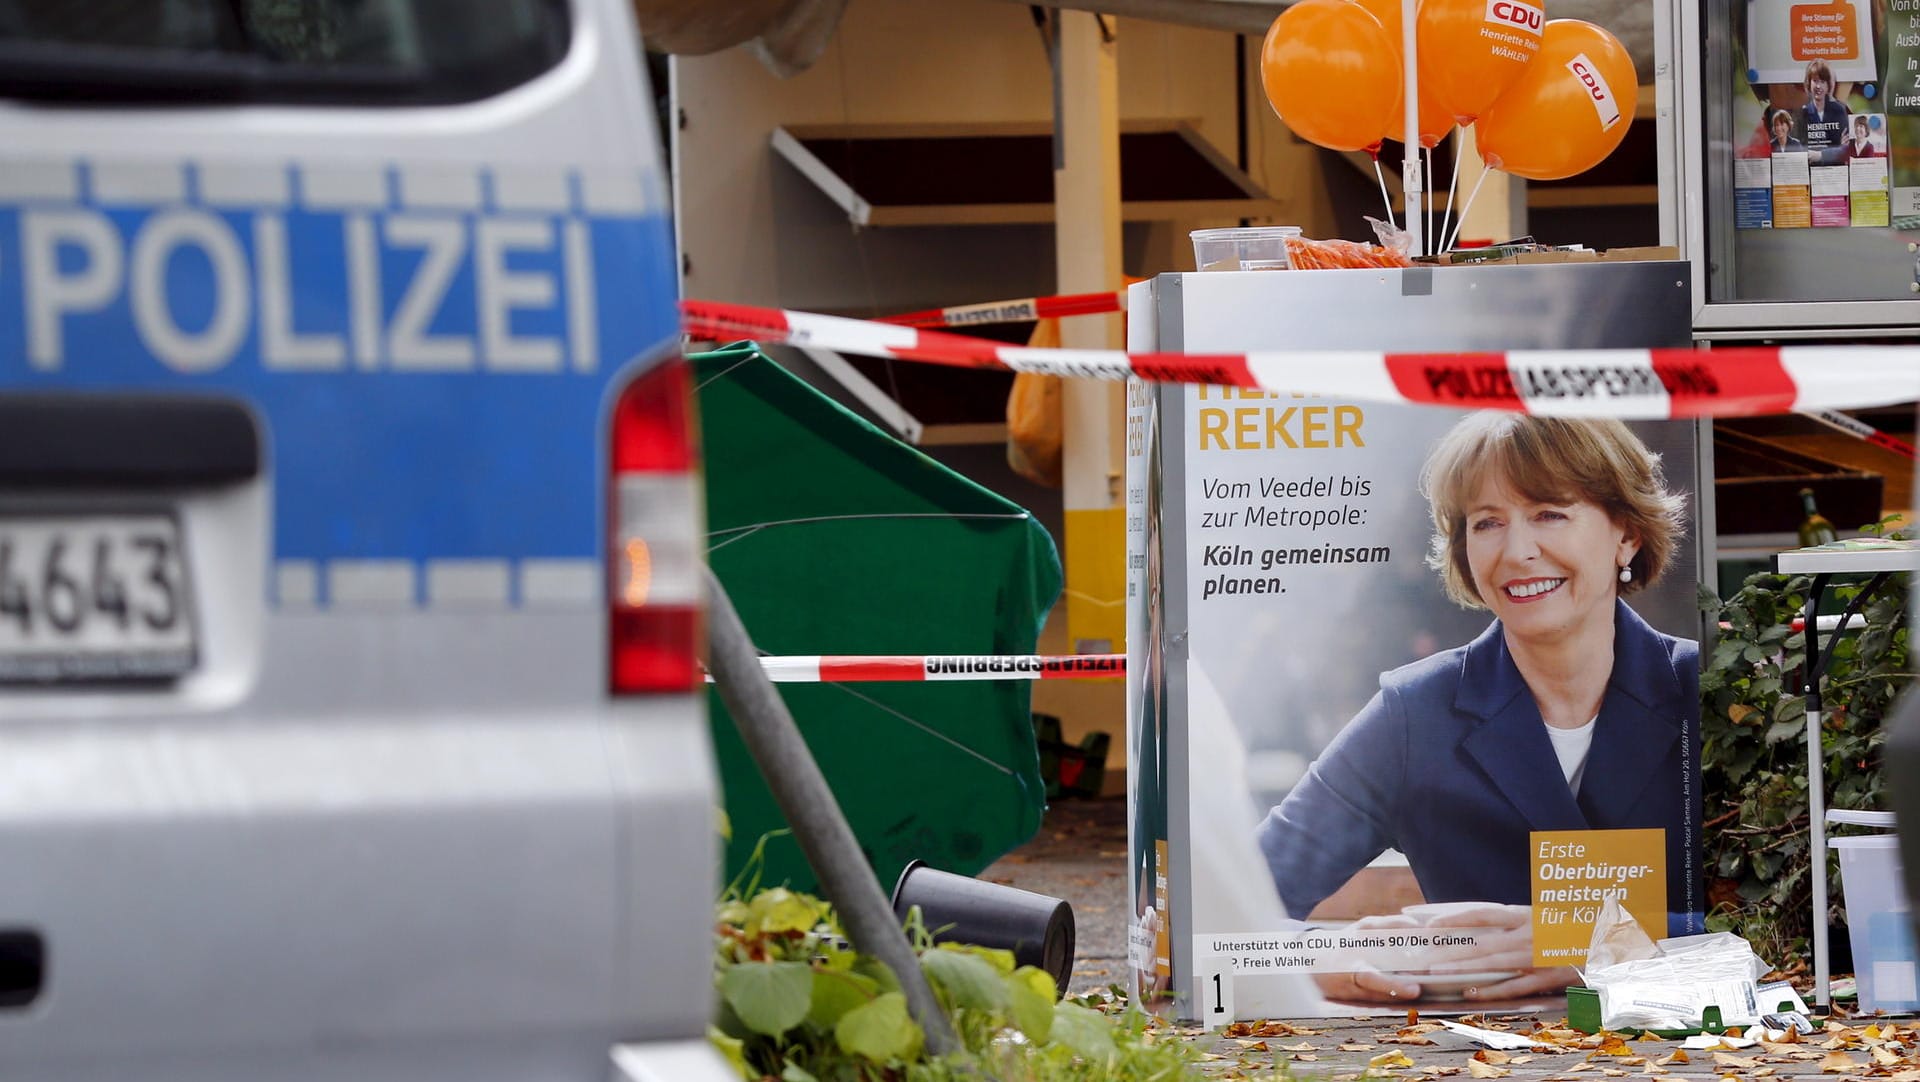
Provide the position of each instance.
(1345, 1049)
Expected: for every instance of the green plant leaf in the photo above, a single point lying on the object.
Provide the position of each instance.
(1030, 996)
(1740, 762)
(868, 966)
(1725, 653)
(834, 956)
(728, 1022)
(880, 1031)
(1786, 730)
(770, 997)
(969, 981)
(835, 992)
(1086, 1032)
(793, 1072)
(1002, 961)
(780, 910)
(732, 1049)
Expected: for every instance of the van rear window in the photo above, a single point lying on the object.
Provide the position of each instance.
(356, 52)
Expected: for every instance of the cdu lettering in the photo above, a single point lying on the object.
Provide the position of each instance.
(1599, 93)
(1516, 14)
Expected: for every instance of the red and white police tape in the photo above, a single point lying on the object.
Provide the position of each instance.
(1625, 383)
(833, 669)
(1859, 429)
(1027, 308)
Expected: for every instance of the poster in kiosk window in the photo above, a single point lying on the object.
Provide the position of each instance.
(1823, 107)
(1430, 679)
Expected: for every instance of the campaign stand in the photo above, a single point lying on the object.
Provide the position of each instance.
(1276, 566)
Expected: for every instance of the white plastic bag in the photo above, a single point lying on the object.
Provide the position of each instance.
(1672, 987)
(1618, 938)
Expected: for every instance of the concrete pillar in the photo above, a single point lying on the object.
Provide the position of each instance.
(1087, 246)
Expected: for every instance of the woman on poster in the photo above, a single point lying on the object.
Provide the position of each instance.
(1861, 143)
(1783, 140)
(1823, 119)
(1567, 713)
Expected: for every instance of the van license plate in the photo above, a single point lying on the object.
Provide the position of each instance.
(94, 597)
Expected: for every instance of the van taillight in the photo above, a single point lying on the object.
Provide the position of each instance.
(656, 537)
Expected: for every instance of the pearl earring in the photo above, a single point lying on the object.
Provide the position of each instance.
(1626, 574)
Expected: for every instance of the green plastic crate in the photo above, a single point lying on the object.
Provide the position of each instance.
(1583, 1014)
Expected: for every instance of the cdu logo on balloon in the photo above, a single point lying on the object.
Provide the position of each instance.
(1514, 13)
(1598, 92)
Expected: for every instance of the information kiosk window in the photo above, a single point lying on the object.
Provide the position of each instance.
(1810, 140)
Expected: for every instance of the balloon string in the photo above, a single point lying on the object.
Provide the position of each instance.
(1461, 224)
(1384, 197)
(1453, 183)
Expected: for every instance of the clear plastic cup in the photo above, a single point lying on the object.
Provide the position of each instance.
(1255, 247)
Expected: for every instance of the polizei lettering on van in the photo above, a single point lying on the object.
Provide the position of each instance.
(1598, 92)
(201, 285)
(462, 305)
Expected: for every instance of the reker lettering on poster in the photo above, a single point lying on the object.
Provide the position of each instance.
(1267, 428)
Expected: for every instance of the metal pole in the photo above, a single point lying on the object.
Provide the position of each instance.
(1816, 796)
(1410, 180)
(1817, 662)
(803, 795)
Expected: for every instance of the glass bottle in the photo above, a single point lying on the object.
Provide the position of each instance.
(1814, 528)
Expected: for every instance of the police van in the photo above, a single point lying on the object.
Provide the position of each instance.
(349, 549)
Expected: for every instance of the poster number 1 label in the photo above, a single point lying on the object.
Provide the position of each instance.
(1214, 992)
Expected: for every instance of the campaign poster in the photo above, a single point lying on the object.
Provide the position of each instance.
(1149, 952)
(1452, 657)
(1827, 93)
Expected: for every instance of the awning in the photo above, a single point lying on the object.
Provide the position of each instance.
(887, 175)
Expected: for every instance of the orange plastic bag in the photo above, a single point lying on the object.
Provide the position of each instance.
(1341, 254)
(1035, 417)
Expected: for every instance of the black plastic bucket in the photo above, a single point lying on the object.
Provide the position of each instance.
(959, 909)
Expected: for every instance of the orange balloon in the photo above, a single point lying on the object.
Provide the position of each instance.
(1570, 109)
(1329, 73)
(1473, 50)
(1435, 119)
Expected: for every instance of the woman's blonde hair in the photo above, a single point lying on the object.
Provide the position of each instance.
(1555, 460)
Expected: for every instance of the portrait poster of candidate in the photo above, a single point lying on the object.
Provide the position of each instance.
(1435, 696)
